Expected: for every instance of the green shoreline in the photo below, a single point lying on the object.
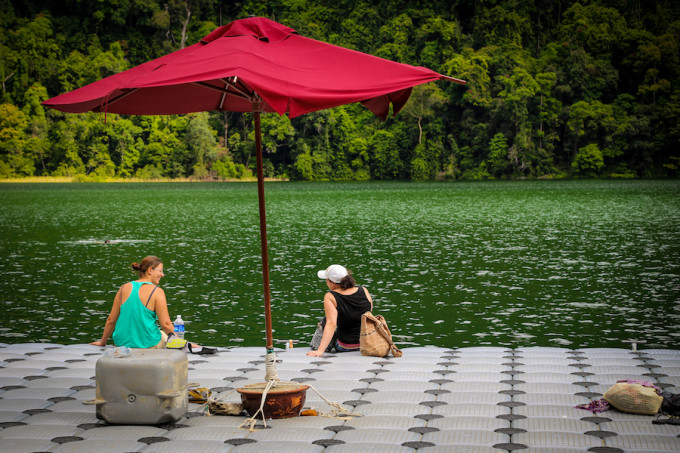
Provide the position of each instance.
(85, 179)
(76, 180)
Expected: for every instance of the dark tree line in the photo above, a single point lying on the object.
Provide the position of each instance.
(556, 88)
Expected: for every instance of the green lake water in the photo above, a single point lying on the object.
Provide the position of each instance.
(546, 263)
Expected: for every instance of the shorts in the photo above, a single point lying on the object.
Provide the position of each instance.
(343, 347)
(161, 344)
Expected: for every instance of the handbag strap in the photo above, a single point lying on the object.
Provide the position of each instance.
(149, 299)
(395, 350)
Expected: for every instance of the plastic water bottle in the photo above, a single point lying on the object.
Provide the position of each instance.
(179, 327)
(121, 351)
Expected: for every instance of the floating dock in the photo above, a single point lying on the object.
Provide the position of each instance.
(430, 400)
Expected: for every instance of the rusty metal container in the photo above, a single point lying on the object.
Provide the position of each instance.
(147, 387)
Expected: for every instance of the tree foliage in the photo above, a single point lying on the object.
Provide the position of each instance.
(555, 88)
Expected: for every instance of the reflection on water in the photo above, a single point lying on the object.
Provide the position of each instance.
(561, 263)
(105, 241)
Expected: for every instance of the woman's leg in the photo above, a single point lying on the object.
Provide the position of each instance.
(161, 344)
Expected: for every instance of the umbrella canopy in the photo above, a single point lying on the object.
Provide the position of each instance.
(253, 65)
(290, 73)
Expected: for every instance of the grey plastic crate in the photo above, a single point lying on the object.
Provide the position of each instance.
(148, 387)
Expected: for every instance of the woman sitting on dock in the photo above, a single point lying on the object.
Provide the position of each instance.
(137, 308)
(343, 305)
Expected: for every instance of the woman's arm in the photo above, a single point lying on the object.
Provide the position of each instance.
(331, 323)
(161, 309)
(368, 296)
(111, 320)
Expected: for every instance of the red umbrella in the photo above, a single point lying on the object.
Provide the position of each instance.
(253, 65)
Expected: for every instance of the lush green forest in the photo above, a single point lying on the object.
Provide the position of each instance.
(556, 88)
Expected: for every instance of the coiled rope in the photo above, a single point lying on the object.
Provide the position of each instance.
(218, 407)
(270, 366)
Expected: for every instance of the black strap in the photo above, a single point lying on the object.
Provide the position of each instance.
(149, 299)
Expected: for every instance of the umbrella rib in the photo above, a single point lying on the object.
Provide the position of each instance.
(240, 89)
(238, 93)
(224, 96)
(451, 79)
(116, 99)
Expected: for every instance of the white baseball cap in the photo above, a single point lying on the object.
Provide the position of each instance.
(334, 273)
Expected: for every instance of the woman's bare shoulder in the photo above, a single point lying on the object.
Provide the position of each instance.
(125, 287)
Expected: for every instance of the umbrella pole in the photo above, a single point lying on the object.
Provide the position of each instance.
(263, 231)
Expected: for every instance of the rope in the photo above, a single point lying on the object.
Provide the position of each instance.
(338, 411)
(225, 407)
(252, 420)
(271, 375)
(272, 378)
(270, 366)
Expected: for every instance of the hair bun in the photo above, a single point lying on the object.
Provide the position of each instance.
(136, 266)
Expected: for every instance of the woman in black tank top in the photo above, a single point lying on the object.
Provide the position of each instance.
(344, 304)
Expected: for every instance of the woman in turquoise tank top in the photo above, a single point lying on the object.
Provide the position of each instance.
(138, 309)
